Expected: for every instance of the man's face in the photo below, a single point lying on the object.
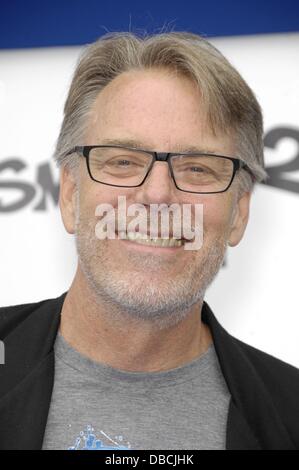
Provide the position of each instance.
(164, 113)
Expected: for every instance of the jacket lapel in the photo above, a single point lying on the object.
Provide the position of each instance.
(26, 378)
(253, 421)
(239, 436)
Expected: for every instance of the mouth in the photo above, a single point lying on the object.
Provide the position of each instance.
(158, 242)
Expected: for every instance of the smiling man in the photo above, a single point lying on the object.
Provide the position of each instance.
(131, 356)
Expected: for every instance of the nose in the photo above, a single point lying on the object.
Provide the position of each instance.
(158, 187)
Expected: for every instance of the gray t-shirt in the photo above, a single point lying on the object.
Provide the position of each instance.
(95, 406)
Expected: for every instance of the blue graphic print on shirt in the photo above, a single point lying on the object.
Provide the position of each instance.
(87, 441)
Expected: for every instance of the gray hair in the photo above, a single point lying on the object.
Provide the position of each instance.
(230, 104)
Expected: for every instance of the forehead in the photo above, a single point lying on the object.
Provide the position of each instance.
(142, 96)
(154, 107)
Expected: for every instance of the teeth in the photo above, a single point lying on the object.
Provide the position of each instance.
(144, 240)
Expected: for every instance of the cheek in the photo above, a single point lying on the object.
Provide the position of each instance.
(216, 216)
(91, 197)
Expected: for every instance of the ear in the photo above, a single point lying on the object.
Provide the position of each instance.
(239, 219)
(67, 198)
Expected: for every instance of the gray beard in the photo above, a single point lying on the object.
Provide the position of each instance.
(134, 292)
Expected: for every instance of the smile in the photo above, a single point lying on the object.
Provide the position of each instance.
(143, 239)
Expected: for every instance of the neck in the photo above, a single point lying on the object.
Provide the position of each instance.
(126, 343)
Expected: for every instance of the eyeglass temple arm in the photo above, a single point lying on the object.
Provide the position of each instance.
(244, 165)
(78, 148)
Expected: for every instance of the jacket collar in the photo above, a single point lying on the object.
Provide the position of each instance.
(253, 419)
(27, 378)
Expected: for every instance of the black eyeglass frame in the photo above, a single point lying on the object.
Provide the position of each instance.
(84, 151)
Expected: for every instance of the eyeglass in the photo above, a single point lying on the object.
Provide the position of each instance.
(128, 167)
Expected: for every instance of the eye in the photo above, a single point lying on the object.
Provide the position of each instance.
(196, 169)
(123, 162)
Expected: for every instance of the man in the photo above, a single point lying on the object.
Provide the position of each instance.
(131, 356)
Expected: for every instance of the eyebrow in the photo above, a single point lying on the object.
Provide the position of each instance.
(143, 146)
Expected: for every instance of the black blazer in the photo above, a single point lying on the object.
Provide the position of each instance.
(263, 410)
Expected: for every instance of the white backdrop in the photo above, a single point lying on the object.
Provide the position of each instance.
(254, 296)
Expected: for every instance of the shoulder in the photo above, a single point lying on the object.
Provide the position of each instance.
(242, 356)
(280, 380)
(12, 316)
(267, 366)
